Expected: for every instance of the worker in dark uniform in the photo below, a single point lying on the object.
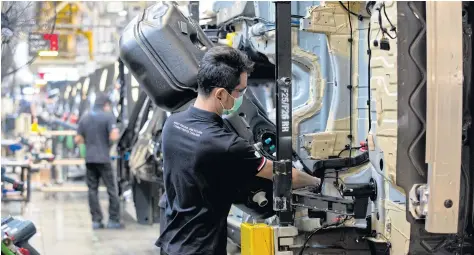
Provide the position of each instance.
(205, 164)
(97, 129)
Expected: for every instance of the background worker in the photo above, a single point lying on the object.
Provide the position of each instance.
(205, 164)
(97, 129)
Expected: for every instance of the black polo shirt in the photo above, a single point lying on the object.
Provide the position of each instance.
(204, 166)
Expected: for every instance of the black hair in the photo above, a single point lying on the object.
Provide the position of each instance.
(221, 67)
(101, 99)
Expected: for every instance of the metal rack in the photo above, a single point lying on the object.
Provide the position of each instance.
(25, 170)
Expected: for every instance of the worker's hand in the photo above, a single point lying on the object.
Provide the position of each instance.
(317, 182)
(302, 179)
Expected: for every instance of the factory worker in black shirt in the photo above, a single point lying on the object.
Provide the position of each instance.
(205, 164)
(97, 130)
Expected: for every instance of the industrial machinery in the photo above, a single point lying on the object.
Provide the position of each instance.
(140, 163)
(371, 97)
(15, 236)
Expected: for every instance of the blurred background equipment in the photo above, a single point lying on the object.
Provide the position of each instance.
(15, 236)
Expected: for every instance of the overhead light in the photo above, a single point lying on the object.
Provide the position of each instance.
(58, 73)
(48, 53)
(114, 7)
(28, 91)
(103, 80)
(40, 82)
(122, 13)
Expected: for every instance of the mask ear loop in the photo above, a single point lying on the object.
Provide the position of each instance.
(220, 102)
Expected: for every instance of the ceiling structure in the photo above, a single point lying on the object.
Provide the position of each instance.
(88, 35)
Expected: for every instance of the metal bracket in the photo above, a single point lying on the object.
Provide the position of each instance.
(444, 115)
(284, 237)
(419, 201)
(307, 199)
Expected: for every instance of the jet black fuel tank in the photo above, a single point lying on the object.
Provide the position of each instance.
(162, 48)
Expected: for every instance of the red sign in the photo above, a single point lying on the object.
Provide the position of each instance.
(53, 41)
(42, 42)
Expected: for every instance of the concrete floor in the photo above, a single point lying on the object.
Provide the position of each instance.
(63, 226)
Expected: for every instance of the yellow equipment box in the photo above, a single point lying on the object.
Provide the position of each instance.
(256, 239)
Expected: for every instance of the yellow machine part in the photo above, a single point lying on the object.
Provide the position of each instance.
(37, 128)
(34, 127)
(256, 239)
(230, 38)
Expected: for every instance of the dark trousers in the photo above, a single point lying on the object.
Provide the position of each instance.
(94, 172)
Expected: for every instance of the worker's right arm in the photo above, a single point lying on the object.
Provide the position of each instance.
(112, 129)
(79, 138)
(299, 178)
(34, 115)
(251, 163)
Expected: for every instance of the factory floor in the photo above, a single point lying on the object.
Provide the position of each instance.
(63, 226)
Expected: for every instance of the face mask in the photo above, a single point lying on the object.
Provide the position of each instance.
(237, 103)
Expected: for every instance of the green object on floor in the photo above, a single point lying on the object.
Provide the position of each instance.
(82, 150)
(6, 251)
(70, 142)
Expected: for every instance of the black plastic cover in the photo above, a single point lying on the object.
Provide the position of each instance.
(162, 48)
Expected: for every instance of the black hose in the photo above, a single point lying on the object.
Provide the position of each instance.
(386, 16)
(384, 30)
(369, 73)
(359, 16)
(350, 84)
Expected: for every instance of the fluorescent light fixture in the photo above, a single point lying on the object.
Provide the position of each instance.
(122, 13)
(134, 83)
(47, 53)
(66, 93)
(85, 87)
(135, 90)
(116, 70)
(135, 94)
(28, 91)
(58, 73)
(40, 82)
(103, 80)
(115, 7)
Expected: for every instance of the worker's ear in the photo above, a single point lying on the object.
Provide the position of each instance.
(221, 94)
